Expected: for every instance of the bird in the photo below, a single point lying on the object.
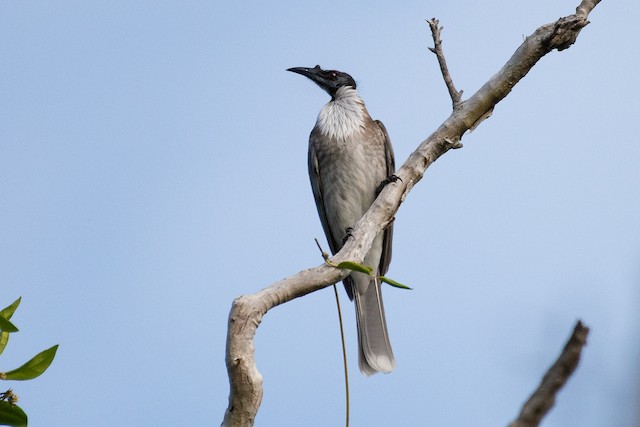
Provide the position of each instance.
(350, 158)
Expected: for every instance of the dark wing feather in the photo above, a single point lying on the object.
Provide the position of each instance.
(316, 186)
(385, 258)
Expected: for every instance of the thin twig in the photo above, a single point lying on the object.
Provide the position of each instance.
(556, 377)
(325, 255)
(344, 357)
(344, 345)
(456, 96)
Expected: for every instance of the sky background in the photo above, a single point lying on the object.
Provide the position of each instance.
(153, 167)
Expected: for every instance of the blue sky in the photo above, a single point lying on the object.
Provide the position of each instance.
(153, 167)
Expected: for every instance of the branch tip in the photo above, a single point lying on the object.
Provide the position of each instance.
(325, 255)
(544, 397)
(456, 96)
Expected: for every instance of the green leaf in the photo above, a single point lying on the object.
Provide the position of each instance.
(7, 312)
(4, 339)
(12, 415)
(7, 326)
(34, 367)
(354, 266)
(394, 283)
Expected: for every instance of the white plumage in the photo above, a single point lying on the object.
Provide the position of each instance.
(343, 116)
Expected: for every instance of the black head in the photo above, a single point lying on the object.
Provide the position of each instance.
(329, 80)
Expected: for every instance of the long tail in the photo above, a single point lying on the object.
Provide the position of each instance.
(375, 353)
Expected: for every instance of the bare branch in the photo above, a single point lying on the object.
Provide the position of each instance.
(246, 314)
(247, 311)
(556, 377)
(456, 96)
(585, 8)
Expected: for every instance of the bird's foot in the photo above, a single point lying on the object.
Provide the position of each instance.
(347, 230)
(391, 178)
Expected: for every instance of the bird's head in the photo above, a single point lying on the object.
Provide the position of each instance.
(329, 80)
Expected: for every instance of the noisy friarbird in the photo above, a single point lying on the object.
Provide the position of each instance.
(350, 155)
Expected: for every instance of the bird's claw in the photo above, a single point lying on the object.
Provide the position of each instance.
(347, 230)
(391, 178)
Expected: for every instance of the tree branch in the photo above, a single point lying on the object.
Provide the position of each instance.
(247, 311)
(556, 377)
(456, 96)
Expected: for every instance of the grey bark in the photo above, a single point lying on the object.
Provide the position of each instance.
(544, 397)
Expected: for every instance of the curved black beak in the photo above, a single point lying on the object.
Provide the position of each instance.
(329, 80)
(319, 76)
(314, 74)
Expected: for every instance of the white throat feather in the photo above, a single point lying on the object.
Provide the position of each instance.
(343, 115)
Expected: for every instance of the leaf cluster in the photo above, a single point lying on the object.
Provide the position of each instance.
(10, 413)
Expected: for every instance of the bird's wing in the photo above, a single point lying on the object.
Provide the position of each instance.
(385, 258)
(316, 186)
